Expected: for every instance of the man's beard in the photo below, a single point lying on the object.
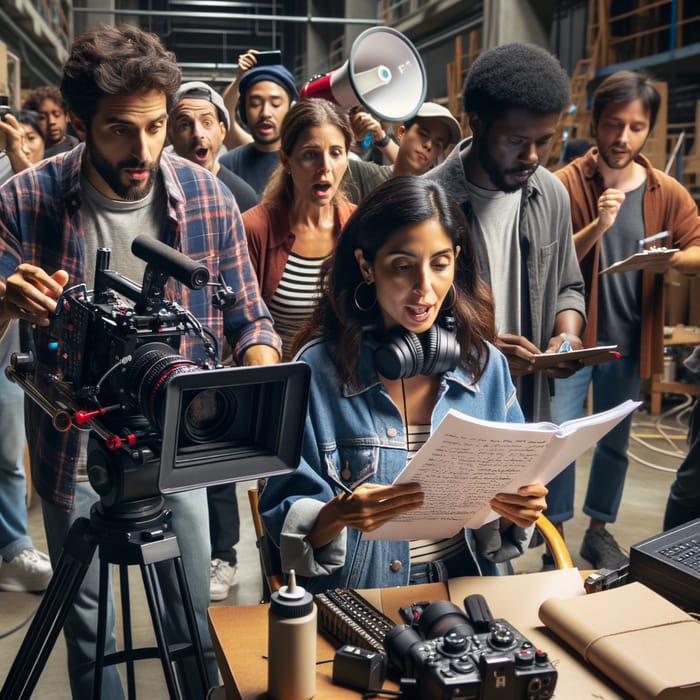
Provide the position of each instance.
(267, 139)
(497, 174)
(620, 165)
(110, 174)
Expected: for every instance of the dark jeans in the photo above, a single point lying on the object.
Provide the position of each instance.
(224, 521)
(684, 498)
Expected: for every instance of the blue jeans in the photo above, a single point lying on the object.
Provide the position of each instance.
(13, 506)
(613, 383)
(190, 524)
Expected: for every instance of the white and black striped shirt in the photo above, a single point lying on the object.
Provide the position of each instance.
(295, 297)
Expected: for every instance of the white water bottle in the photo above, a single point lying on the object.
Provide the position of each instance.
(291, 643)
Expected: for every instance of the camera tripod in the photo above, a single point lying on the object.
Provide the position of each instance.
(133, 533)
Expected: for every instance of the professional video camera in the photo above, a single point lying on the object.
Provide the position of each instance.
(467, 657)
(159, 422)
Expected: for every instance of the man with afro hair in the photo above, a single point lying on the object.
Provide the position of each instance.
(518, 212)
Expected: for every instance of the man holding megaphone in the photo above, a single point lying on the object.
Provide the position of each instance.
(423, 141)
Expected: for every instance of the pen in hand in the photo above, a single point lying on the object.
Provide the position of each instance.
(346, 488)
(565, 347)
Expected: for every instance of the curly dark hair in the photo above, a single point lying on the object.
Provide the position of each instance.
(399, 202)
(107, 61)
(515, 76)
(626, 86)
(34, 99)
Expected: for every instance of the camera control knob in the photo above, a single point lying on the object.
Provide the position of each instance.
(454, 644)
(501, 636)
(524, 658)
(462, 666)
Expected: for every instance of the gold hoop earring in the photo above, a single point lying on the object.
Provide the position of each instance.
(360, 292)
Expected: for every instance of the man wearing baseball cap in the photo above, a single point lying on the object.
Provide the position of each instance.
(423, 141)
(265, 95)
(197, 124)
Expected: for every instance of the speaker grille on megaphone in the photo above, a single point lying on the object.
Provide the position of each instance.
(384, 74)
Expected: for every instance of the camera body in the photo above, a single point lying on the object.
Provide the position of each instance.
(159, 422)
(453, 656)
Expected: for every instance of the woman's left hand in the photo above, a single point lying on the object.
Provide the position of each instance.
(524, 507)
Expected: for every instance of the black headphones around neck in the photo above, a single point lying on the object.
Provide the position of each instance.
(401, 354)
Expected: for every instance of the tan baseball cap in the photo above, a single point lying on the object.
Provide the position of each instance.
(432, 110)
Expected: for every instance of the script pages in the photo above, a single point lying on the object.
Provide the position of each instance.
(467, 461)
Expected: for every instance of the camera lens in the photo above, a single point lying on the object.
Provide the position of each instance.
(206, 414)
(442, 617)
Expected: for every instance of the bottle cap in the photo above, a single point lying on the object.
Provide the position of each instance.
(291, 600)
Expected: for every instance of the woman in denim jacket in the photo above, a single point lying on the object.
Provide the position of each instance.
(388, 291)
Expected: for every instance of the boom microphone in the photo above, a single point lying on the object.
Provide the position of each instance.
(170, 261)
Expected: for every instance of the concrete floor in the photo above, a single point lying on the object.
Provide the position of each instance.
(640, 516)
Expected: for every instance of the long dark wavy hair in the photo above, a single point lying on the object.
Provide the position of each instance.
(396, 203)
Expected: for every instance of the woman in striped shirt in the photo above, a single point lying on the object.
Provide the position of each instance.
(294, 228)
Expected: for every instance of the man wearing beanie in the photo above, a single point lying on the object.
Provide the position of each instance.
(265, 95)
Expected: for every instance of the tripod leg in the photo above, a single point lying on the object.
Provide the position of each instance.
(101, 631)
(58, 598)
(126, 629)
(191, 623)
(153, 595)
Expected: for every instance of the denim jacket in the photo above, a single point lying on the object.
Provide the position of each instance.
(352, 431)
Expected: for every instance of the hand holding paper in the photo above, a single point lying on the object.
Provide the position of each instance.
(467, 461)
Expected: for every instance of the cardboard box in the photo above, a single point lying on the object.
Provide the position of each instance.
(676, 298)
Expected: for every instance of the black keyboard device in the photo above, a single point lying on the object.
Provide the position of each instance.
(345, 617)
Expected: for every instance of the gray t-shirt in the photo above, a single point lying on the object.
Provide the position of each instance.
(114, 224)
(497, 215)
(620, 294)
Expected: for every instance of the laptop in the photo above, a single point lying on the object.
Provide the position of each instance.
(669, 563)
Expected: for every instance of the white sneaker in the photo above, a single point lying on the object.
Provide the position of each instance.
(30, 570)
(223, 576)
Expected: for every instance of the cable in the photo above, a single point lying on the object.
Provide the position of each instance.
(26, 621)
(663, 431)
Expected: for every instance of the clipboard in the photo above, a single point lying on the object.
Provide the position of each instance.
(588, 356)
(640, 261)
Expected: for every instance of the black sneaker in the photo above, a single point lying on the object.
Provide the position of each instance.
(600, 548)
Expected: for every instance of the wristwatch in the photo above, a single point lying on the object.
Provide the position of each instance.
(383, 142)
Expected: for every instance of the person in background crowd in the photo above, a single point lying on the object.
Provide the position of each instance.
(422, 144)
(22, 566)
(116, 185)
(266, 93)
(618, 198)
(53, 119)
(302, 213)
(24, 141)
(393, 272)
(518, 213)
(197, 123)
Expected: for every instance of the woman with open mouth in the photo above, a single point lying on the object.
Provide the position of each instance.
(302, 211)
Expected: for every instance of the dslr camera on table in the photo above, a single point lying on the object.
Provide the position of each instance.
(441, 653)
